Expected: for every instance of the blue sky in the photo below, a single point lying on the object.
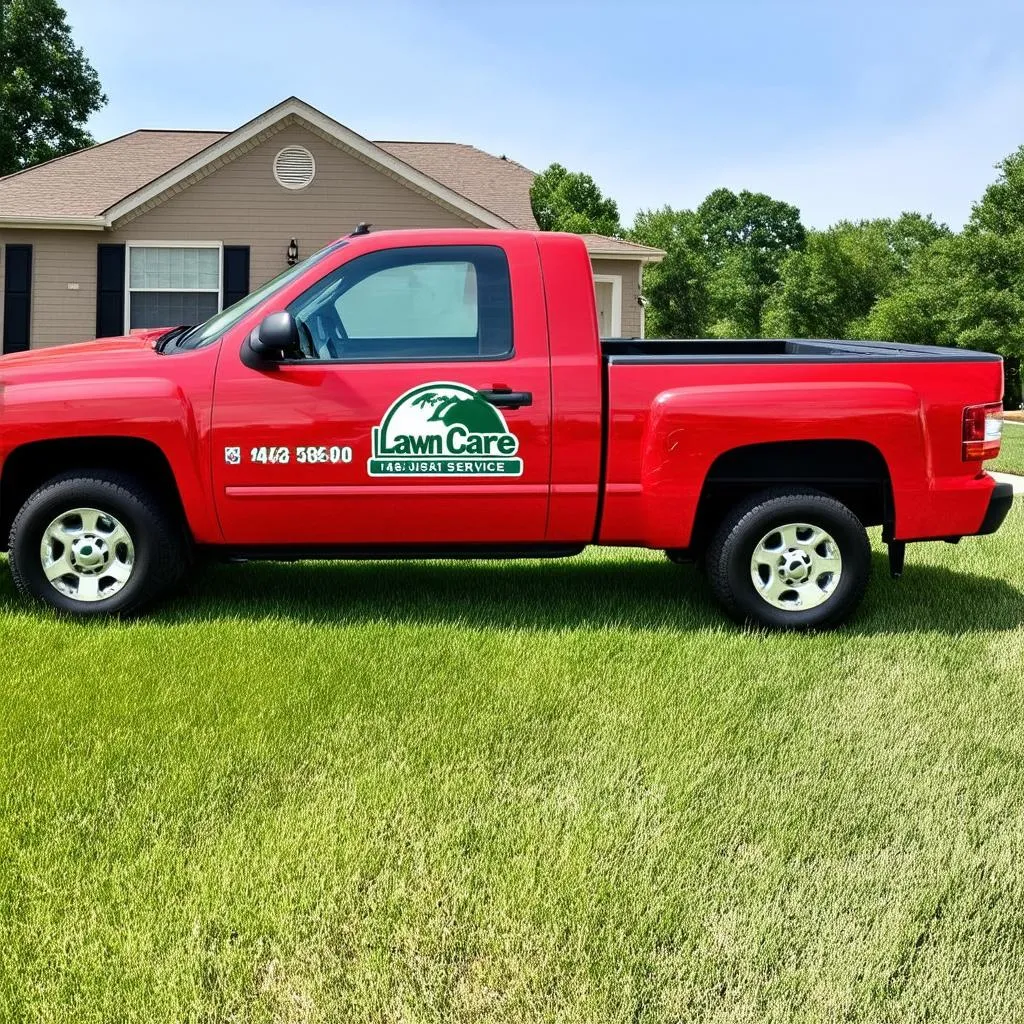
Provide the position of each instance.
(856, 109)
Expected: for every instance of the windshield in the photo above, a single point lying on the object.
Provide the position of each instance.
(196, 337)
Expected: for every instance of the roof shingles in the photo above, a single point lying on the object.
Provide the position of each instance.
(495, 183)
(604, 245)
(85, 183)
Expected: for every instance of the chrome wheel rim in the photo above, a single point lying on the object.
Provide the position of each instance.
(87, 554)
(796, 567)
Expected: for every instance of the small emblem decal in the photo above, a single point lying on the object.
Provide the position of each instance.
(233, 456)
(443, 429)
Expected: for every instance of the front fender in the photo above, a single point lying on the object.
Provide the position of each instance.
(152, 409)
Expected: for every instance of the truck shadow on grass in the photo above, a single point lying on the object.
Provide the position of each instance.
(581, 593)
(572, 594)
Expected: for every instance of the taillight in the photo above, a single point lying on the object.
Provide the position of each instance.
(983, 431)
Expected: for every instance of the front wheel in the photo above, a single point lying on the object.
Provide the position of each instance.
(95, 544)
(790, 560)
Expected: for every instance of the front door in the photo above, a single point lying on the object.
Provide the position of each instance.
(397, 427)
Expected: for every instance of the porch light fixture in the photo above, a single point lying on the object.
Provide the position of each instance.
(293, 253)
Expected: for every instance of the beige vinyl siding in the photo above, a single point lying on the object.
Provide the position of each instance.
(60, 258)
(629, 271)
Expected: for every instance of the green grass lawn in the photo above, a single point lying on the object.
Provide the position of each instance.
(1011, 454)
(517, 792)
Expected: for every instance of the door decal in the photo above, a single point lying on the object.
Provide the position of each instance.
(443, 429)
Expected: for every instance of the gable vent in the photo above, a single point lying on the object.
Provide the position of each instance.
(294, 167)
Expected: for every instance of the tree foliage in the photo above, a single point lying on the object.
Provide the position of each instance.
(723, 261)
(968, 289)
(571, 201)
(828, 289)
(752, 221)
(747, 237)
(676, 289)
(48, 88)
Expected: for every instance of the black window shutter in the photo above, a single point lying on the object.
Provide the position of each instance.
(109, 291)
(236, 273)
(17, 297)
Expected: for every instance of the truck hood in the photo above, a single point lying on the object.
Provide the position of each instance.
(85, 359)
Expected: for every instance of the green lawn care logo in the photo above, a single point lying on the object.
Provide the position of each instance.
(443, 429)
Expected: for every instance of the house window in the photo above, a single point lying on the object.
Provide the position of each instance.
(171, 284)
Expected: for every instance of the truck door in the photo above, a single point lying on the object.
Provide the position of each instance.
(420, 413)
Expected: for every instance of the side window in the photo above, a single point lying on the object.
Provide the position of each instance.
(417, 303)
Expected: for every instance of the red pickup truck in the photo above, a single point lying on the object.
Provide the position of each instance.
(409, 394)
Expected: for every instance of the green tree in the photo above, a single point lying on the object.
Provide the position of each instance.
(959, 292)
(828, 289)
(675, 289)
(746, 238)
(723, 261)
(571, 201)
(968, 290)
(909, 234)
(48, 88)
(919, 309)
(751, 220)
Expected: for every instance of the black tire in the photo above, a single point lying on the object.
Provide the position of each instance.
(161, 549)
(728, 559)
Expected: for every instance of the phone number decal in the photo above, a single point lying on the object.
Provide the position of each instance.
(304, 455)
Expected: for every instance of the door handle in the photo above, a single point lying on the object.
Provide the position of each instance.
(506, 399)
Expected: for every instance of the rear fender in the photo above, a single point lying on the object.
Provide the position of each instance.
(689, 428)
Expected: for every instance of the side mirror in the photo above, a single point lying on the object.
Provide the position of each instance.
(276, 339)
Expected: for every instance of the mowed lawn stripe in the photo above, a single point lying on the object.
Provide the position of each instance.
(517, 792)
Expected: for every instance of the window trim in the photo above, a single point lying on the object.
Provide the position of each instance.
(374, 360)
(370, 360)
(165, 244)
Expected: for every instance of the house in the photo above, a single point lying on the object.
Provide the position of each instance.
(164, 227)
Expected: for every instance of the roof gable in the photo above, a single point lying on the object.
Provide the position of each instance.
(126, 175)
(294, 110)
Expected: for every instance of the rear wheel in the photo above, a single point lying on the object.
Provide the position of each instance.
(790, 560)
(95, 544)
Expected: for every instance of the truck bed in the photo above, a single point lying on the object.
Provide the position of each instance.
(779, 350)
(675, 408)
